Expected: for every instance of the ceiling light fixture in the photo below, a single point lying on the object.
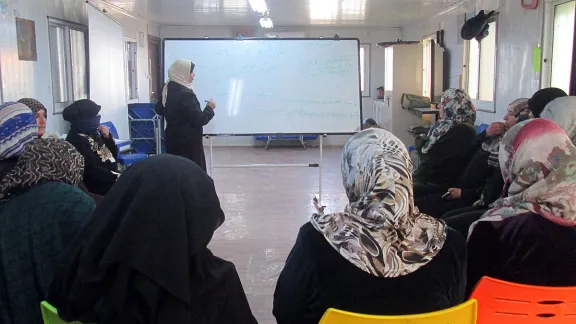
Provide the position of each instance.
(266, 22)
(258, 5)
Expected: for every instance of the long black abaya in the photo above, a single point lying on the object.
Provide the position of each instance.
(143, 257)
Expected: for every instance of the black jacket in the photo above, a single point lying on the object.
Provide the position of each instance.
(98, 175)
(527, 249)
(316, 277)
(184, 119)
(447, 158)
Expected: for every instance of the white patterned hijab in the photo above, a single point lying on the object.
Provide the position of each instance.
(380, 231)
(562, 111)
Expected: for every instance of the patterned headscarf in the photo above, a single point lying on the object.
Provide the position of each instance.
(43, 160)
(34, 105)
(517, 109)
(538, 163)
(380, 231)
(179, 72)
(458, 109)
(17, 128)
(562, 111)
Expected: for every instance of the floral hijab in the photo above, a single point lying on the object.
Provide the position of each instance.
(458, 109)
(538, 163)
(380, 231)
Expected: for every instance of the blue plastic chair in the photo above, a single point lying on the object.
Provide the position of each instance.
(124, 159)
(482, 128)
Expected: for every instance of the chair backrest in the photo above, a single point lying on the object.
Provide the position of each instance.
(462, 314)
(113, 130)
(50, 314)
(505, 302)
(482, 128)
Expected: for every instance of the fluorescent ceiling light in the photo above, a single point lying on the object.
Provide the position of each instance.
(266, 22)
(258, 5)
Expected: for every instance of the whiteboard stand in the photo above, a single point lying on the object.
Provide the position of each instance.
(213, 166)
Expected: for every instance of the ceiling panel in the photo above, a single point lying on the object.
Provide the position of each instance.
(284, 13)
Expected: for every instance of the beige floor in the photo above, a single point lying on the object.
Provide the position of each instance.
(264, 209)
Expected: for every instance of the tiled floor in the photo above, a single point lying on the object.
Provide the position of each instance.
(264, 209)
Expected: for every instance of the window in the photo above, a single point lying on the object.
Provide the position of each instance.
(388, 68)
(69, 62)
(131, 62)
(427, 48)
(480, 70)
(559, 44)
(365, 69)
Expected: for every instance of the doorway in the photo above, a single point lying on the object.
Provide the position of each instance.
(155, 66)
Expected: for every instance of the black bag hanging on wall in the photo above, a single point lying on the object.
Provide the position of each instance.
(477, 26)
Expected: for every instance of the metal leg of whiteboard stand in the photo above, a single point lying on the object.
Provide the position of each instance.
(302, 141)
(320, 172)
(211, 154)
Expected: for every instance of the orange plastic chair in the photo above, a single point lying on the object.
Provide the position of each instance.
(505, 302)
(462, 314)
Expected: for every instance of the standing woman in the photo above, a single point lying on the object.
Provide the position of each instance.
(184, 115)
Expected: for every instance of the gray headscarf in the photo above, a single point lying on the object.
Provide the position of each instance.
(562, 111)
(380, 231)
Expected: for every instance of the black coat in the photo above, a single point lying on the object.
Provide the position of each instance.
(99, 175)
(185, 120)
(527, 249)
(142, 257)
(444, 162)
(316, 277)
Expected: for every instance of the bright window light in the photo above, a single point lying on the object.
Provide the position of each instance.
(266, 22)
(562, 45)
(323, 11)
(353, 9)
(258, 5)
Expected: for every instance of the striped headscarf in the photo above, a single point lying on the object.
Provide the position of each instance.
(538, 163)
(43, 160)
(458, 109)
(380, 231)
(17, 128)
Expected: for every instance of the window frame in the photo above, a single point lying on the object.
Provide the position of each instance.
(482, 105)
(428, 43)
(127, 72)
(365, 75)
(548, 42)
(68, 26)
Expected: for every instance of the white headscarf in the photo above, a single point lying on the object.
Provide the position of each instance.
(562, 111)
(178, 72)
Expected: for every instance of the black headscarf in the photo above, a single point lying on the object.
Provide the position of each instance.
(83, 116)
(143, 256)
(543, 97)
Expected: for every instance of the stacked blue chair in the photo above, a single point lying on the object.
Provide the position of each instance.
(124, 159)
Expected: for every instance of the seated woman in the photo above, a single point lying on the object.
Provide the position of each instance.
(445, 151)
(95, 143)
(562, 111)
(39, 111)
(141, 261)
(17, 129)
(378, 256)
(543, 97)
(42, 211)
(482, 166)
(529, 236)
(461, 219)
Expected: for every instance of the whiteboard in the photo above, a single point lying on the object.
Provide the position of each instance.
(274, 86)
